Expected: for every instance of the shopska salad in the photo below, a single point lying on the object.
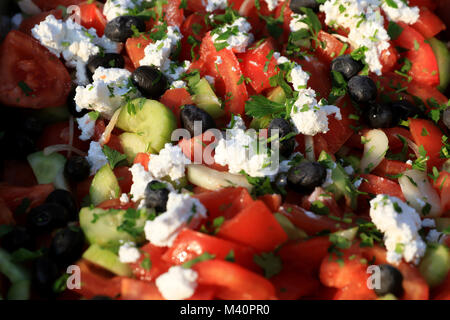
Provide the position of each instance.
(100, 201)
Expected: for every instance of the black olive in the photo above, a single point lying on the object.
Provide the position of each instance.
(105, 60)
(287, 146)
(306, 176)
(156, 196)
(403, 109)
(65, 199)
(77, 169)
(362, 89)
(101, 298)
(47, 217)
(72, 107)
(281, 181)
(67, 245)
(32, 126)
(190, 114)
(18, 238)
(19, 144)
(297, 5)
(151, 82)
(380, 116)
(346, 65)
(121, 28)
(391, 281)
(446, 117)
(45, 274)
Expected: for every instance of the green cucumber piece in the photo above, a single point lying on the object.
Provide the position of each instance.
(349, 234)
(153, 121)
(133, 144)
(101, 226)
(19, 290)
(46, 168)
(443, 59)
(108, 260)
(104, 186)
(260, 123)
(291, 230)
(205, 98)
(389, 296)
(13, 271)
(277, 95)
(435, 264)
(442, 224)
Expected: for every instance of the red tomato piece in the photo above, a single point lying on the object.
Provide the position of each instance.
(115, 204)
(190, 244)
(293, 284)
(173, 14)
(442, 186)
(389, 168)
(272, 201)
(13, 196)
(174, 99)
(46, 5)
(6, 215)
(92, 17)
(388, 59)
(259, 65)
(158, 265)
(430, 4)
(425, 133)
(233, 282)
(443, 291)
(227, 202)
(338, 275)
(329, 47)
(424, 68)
(135, 49)
(196, 27)
(320, 79)
(132, 289)
(227, 75)
(373, 184)
(59, 133)
(255, 226)
(32, 76)
(143, 159)
(18, 173)
(429, 24)
(29, 23)
(125, 178)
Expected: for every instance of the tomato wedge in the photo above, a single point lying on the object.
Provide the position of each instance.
(32, 77)
(13, 196)
(373, 184)
(429, 24)
(29, 23)
(442, 186)
(46, 5)
(425, 133)
(92, 17)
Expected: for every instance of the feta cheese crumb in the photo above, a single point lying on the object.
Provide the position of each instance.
(170, 162)
(403, 12)
(115, 8)
(177, 284)
(96, 157)
(183, 211)
(128, 253)
(210, 79)
(213, 5)
(400, 224)
(141, 178)
(87, 126)
(434, 236)
(124, 199)
(271, 4)
(157, 53)
(428, 223)
(296, 23)
(110, 90)
(329, 179)
(239, 36)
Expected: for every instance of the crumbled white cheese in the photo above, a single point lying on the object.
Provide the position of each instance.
(400, 224)
(237, 123)
(299, 78)
(96, 157)
(141, 179)
(174, 71)
(170, 162)
(124, 199)
(349, 170)
(29, 7)
(271, 4)
(178, 84)
(434, 236)
(210, 80)
(403, 12)
(177, 284)
(329, 179)
(110, 90)
(239, 36)
(128, 253)
(213, 5)
(296, 23)
(87, 126)
(428, 223)
(115, 8)
(183, 211)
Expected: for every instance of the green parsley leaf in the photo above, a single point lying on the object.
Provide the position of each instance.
(204, 257)
(270, 263)
(114, 156)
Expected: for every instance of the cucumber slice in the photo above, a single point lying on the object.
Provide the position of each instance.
(152, 121)
(443, 59)
(46, 168)
(349, 234)
(205, 98)
(211, 179)
(108, 260)
(260, 123)
(133, 144)
(435, 264)
(104, 186)
(277, 95)
(292, 231)
(100, 226)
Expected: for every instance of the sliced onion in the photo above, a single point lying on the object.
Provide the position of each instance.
(418, 191)
(71, 134)
(110, 127)
(374, 150)
(309, 148)
(211, 179)
(63, 147)
(413, 147)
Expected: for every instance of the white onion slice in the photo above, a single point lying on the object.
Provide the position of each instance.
(110, 127)
(63, 147)
(309, 148)
(374, 150)
(211, 179)
(418, 191)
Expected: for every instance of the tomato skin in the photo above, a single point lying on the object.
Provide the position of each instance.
(227, 75)
(332, 46)
(443, 291)
(254, 226)
(173, 15)
(233, 282)
(13, 196)
(46, 5)
(132, 289)
(115, 204)
(442, 186)
(227, 202)
(58, 133)
(29, 23)
(293, 284)
(378, 185)
(190, 244)
(143, 159)
(429, 24)
(425, 133)
(174, 99)
(424, 68)
(135, 49)
(430, 4)
(320, 79)
(272, 201)
(389, 168)
(196, 27)
(158, 265)
(257, 67)
(24, 60)
(92, 17)
(18, 173)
